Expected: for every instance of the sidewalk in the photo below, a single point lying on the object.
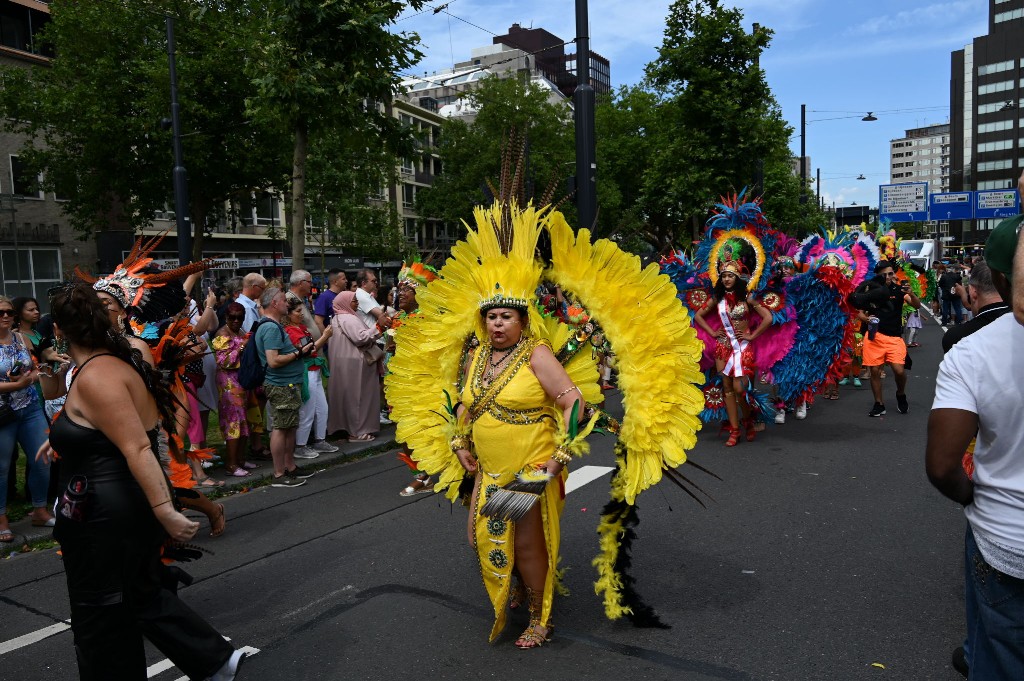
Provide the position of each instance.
(26, 533)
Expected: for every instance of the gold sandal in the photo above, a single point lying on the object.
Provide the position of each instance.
(531, 637)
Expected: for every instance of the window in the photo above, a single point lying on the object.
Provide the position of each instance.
(30, 272)
(995, 165)
(995, 127)
(1001, 86)
(408, 168)
(995, 68)
(1008, 16)
(998, 145)
(997, 106)
(23, 180)
(408, 196)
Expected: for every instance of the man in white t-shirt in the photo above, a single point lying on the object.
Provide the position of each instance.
(979, 390)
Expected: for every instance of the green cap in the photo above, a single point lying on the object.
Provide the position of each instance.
(1002, 244)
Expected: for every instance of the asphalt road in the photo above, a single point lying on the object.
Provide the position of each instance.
(825, 555)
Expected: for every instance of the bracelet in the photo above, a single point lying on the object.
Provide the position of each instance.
(161, 503)
(562, 455)
(460, 442)
(566, 392)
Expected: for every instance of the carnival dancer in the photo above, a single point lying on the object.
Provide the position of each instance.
(508, 428)
(410, 278)
(117, 509)
(734, 353)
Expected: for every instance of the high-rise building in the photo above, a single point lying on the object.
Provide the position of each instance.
(986, 109)
(923, 156)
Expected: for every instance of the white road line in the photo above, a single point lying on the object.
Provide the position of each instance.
(34, 637)
(936, 319)
(584, 476)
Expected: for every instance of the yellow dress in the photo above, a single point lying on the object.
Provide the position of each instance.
(514, 427)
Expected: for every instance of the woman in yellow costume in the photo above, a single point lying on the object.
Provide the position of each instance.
(493, 396)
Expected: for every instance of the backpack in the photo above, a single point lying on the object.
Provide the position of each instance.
(251, 371)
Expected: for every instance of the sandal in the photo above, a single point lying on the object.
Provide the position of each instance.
(417, 486)
(751, 430)
(6, 536)
(219, 522)
(734, 437)
(362, 438)
(239, 472)
(532, 636)
(209, 483)
(249, 465)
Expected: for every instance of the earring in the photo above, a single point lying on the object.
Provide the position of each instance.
(60, 345)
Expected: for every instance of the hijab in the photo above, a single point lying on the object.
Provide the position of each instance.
(343, 303)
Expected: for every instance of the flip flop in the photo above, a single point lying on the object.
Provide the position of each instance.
(6, 536)
(209, 483)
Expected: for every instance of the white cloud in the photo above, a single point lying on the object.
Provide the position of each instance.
(935, 15)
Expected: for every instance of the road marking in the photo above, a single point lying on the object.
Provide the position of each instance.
(934, 318)
(34, 637)
(584, 476)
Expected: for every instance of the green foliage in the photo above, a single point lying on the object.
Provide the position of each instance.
(94, 115)
(694, 131)
(471, 154)
(318, 64)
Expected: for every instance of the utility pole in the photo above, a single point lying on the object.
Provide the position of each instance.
(584, 102)
(803, 153)
(182, 216)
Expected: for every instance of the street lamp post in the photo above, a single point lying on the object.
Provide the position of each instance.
(182, 216)
(584, 102)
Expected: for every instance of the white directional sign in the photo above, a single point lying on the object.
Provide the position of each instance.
(903, 202)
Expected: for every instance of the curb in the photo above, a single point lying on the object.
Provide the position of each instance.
(25, 533)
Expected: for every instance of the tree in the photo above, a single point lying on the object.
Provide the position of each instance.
(471, 153)
(694, 130)
(93, 116)
(325, 67)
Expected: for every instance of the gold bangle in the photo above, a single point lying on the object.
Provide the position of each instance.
(562, 455)
(460, 442)
(566, 392)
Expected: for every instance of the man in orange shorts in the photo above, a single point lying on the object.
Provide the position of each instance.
(884, 344)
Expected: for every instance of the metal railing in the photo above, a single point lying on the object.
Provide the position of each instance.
(29, 233)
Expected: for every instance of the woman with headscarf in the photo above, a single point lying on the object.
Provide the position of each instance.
(353, 393)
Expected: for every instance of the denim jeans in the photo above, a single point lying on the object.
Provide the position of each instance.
(952, 310)
(30, 432)
(995, 618)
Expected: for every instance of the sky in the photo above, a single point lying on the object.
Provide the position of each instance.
(841, 59)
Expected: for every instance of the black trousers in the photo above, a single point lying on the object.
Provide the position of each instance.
(117, 599)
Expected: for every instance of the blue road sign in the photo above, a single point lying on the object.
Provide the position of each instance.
(996, 203)
(907, 202)
(951, 206)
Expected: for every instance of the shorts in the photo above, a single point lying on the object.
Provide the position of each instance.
(283, 404)
(884, 350)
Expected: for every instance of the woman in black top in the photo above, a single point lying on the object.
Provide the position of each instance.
(116, 510)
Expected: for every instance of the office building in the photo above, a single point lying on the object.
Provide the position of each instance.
(986, 108)
(922, 155)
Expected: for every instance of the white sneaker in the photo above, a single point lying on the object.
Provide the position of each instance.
(384, 420)
(323, 446)
(801, 411)
(305, 452)
(780, 416)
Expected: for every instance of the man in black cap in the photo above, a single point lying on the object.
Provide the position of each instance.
(979, 391)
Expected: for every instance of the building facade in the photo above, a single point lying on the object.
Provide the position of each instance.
(923, 155)
(987, 112)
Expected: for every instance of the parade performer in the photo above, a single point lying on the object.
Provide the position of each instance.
(410, 278)
(735, 252)
(520, 383)
(117, 512)
(734, 353)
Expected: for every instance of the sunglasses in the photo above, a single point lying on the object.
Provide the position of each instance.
(6, 313)
(236, 317)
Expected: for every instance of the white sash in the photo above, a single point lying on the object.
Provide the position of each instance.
(734, 367)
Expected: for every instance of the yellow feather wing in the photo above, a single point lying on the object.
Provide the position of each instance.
(656, 347)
